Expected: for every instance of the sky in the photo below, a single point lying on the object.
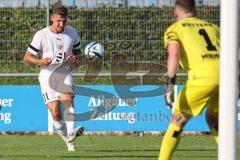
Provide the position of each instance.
(90, 3)
(149, 2)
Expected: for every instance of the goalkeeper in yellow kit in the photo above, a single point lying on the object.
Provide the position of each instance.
(194, 44)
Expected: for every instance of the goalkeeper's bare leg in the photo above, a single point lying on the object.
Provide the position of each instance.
(212, 122)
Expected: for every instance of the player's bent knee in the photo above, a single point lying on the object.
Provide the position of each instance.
(179, 120)
(66, 97)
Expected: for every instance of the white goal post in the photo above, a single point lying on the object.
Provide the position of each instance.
(228, 81)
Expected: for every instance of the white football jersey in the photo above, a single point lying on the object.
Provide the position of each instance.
(55, 46)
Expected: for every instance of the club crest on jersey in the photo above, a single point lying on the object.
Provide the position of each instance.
(59, 47)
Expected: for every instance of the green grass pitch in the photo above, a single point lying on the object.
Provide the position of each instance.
(116, 147)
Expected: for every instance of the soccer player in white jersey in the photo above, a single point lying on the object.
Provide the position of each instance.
(58, 45)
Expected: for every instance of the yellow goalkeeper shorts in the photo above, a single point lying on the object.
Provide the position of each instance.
(194, 98)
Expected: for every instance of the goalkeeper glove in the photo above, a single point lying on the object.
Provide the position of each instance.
(169, 96)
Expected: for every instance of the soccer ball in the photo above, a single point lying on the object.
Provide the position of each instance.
(94, 51)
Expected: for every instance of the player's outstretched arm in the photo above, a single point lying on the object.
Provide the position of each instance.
(32, 59)
(172, 65)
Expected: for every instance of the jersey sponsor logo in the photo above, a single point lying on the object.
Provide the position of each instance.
(59, 57)
(59, 47)
(210, 56)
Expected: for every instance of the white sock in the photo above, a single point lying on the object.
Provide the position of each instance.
(69, 117)
(61, 129)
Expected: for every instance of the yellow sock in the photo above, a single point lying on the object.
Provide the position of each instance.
(214, 133)
(170, 142)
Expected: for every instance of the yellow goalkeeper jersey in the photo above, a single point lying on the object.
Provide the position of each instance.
(199, 48)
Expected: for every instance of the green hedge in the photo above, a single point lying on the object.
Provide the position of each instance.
(135, 32)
